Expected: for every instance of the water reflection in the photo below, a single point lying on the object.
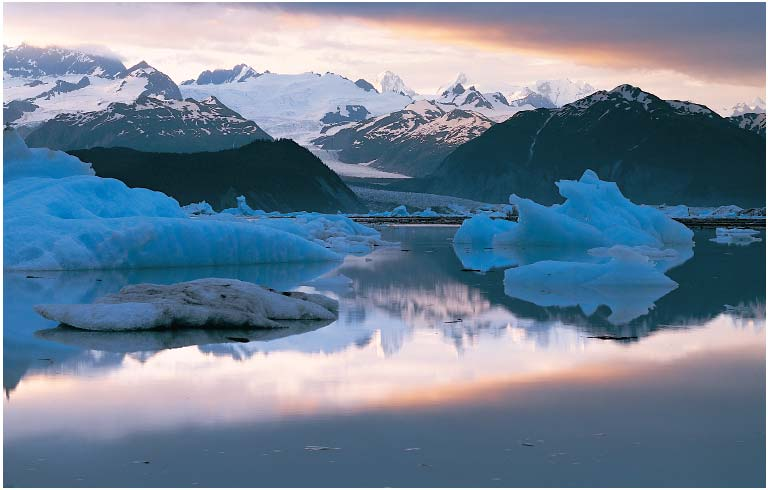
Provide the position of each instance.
(411, 324)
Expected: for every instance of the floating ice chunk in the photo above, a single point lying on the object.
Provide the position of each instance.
(427, 213)
(480, 230)
(594, 214)
(628, 284)
(333, 231)
(198, 208)
(243, 209)
(203, 303)
(399, 211)
(58, 216)
(736, 236)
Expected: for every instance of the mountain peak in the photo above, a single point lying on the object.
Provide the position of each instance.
(563, 91)
(391, 82)
(238, 73)
(30, 61)
(141, 66)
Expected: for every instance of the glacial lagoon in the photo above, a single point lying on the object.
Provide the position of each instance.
(431, 376)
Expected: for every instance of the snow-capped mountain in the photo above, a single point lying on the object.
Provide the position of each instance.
(756, 106)
(492, 105)
(150, 124)
(294, 106)
(30, 101)
(461, 79)
(238, 74)
(32, 62)
(391, 82)
(751, 121)
(563, 91)
(528, 98)
(659, 151)
(411, 141)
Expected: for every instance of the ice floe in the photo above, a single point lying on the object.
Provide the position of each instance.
(203, 303)
(59, 216)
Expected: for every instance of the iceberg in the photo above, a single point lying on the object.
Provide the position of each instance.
(198, 208)
(203, 303)
(595, 214)
(59, 216)
(597, 248)
(481, 230)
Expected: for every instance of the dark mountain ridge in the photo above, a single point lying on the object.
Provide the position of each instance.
(272, 175)
(657, 151)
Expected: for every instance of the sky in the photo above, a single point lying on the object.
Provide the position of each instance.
(711, 53)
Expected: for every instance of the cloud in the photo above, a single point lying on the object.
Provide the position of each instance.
(709, 41)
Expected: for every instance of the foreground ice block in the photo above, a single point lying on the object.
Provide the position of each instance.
(203, 303)
(58, 216)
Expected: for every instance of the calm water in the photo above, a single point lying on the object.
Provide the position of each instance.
(398, 391)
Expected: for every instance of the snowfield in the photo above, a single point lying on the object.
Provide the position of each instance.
(291, 106)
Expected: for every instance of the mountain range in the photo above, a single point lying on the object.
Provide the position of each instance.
(466, 140)
(150, 124)
(658, 151)
(412, 141)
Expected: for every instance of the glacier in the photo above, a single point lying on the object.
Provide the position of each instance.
(59, 216)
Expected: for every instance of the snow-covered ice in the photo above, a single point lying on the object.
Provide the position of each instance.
(203, 303)
(58, 216)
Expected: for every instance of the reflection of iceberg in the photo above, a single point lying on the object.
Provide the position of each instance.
(628, 283)
(150, 341)
(736, 236)
(597, 248)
